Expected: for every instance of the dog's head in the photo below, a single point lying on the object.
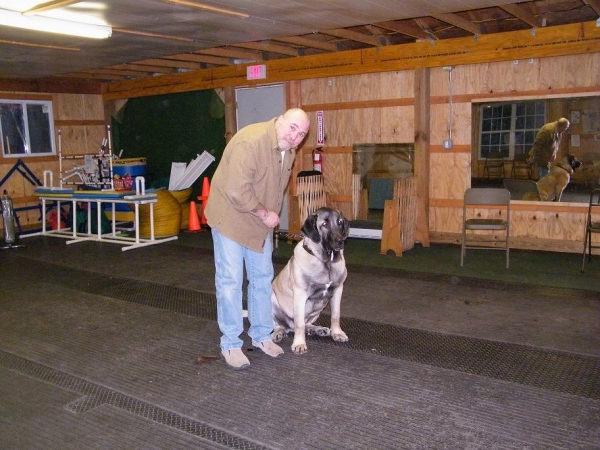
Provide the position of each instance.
(574, 163)
(327, 227)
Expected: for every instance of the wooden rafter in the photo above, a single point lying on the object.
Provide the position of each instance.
(457, 21)
(169, 63)
(404, 28)
(520, 13)
(230, 52)
(594, 4)
(308, 42)
(207, 59)
(152, 35)
(266, 46)
(212, 9)
(141, 67)
(353, 36)
(52, 4)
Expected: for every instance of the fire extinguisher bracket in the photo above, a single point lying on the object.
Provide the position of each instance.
(317, 157)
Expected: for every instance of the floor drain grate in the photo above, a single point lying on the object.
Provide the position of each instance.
(95, 395)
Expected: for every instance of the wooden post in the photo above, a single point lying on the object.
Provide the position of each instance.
(391, 236)
(422, 155)
(230, 113)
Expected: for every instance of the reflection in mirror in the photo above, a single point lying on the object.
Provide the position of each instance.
(378, 165)
(510, 127)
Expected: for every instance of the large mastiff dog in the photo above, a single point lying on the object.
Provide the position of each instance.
(313, 277)
(552, 185)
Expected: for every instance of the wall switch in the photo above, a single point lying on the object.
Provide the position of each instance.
(447, 144)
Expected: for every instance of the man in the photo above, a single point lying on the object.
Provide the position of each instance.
(546, 145)
(242, 210)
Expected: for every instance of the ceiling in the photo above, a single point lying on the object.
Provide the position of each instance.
(156, 37)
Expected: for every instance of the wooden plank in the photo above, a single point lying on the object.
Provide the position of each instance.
(381, 103)
(550, 41)
(421, 160)
(77, 123)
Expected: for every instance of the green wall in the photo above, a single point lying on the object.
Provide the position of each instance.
(171, 128)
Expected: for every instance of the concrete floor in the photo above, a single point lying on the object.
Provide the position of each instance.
(101, 348)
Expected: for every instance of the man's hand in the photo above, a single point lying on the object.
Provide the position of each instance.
(270, 219)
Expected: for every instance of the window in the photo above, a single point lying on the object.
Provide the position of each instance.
(510, 128)
(26, 128)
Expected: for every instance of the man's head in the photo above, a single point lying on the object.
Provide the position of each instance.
(291, 128)
(563, 125)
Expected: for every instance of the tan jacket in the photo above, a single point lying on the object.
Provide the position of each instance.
(546, 145)
(250, 172)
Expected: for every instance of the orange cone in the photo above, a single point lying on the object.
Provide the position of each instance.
(194, 225)
(203, 198)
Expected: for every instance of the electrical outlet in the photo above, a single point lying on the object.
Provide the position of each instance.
(447, 144)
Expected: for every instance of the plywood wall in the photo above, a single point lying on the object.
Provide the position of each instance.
(80, 119)
(369, 108)
(379, 108)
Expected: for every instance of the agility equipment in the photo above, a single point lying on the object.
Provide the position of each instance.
(194, 225)
(204, 198)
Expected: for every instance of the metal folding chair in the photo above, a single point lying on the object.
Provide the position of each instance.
(592, 226)
(496, 220)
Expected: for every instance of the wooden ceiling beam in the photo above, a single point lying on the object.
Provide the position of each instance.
(354, 36)
(230, 52)
(152, 35)
(403, 28)
(118, 72)
(520, 13)
(169, 63)
(266, 46)
(308, 42)
(457, 21)
(594, 4)
(194, 57)
(141, 67)
(94, 76)
(52, 4)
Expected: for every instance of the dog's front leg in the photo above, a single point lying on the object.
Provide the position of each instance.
(336, 329)
(299, 343)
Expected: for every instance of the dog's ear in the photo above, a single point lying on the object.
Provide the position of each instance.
(573, 161)
(309, 228)
(345, 226)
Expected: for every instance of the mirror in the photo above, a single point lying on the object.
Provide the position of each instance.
(510, 126)
(378, 165)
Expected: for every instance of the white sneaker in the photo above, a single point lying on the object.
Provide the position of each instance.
(269, 347)
(235, 359)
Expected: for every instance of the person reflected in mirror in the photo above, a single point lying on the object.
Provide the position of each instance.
(242, 210)
(546, 145)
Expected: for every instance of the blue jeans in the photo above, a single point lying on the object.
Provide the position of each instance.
(230, 259)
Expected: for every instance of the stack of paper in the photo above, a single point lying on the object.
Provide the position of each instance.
(182, 176)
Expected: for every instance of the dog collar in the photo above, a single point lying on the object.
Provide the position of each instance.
(570, 172)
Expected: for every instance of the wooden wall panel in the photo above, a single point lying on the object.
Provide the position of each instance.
(80, 118)
(397, 124)
(449, 175)
(68, 107)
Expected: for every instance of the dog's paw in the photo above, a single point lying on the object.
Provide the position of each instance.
(299, 348)
(278, 334)
(339, 336)
(318, 331)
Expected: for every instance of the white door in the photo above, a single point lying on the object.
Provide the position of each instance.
(259, 104)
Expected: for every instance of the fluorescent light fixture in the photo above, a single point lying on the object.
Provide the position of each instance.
(51, 25)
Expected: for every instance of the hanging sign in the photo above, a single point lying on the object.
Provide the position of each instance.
(320, 129)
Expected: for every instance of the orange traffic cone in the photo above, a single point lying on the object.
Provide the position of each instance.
(194, 225)
(203, 198)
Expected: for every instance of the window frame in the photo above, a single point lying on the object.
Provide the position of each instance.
(507, 145)
(28, 106)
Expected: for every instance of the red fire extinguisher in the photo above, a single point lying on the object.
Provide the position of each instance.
(317, 156)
